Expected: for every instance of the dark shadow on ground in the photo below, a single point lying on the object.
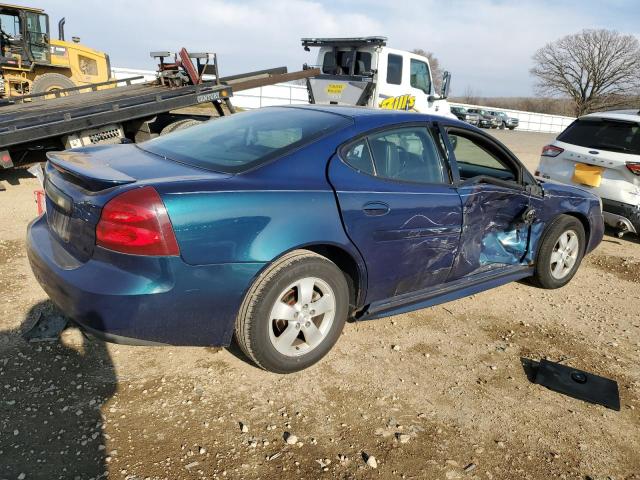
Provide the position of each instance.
(51, 394)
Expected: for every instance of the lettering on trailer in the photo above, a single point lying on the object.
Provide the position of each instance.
(401, 102)
(208, 97)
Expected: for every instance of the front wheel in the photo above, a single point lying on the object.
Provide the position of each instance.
(294, 312)
(560, 252)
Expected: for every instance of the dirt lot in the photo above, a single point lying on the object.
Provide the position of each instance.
(453, 402)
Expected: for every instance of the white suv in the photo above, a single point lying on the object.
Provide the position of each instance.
(600, 152)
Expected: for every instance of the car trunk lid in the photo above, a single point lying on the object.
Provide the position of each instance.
(79, 183)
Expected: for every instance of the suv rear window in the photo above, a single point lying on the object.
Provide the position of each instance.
(604, 134)
(241, 141)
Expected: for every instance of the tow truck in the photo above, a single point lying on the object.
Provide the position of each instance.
(132, 112)
(365, 71)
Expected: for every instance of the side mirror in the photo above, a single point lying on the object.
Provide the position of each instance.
(446, 84)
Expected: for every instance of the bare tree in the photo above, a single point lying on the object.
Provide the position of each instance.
(471, 96)
(434, 63)
(597, 69)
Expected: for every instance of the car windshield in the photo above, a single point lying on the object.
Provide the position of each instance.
(241, 141)
(604, 134)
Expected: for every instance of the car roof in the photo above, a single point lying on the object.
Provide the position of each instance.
(367, 112)
(628, 115)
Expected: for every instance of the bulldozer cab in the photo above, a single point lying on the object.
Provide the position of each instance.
(24, 36)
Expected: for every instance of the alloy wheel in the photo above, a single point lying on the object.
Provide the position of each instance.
(302, 316)
(564, 255)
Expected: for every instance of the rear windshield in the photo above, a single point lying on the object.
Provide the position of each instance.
(604, 134)
(241, 141)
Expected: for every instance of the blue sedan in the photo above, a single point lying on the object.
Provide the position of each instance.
(277, 225)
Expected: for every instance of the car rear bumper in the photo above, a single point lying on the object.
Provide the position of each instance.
(140, 300)
(621, 215)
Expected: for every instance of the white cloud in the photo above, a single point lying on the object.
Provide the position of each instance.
(486, 44)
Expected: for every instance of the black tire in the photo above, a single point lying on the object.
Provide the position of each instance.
(543, 276)
(48, 82)
(253, 324)
(502, 126)
(511, 128)
(179, 125)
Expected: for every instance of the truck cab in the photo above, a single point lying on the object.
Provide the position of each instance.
(364, 71)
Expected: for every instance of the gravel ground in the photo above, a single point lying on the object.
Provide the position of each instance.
(452, 400)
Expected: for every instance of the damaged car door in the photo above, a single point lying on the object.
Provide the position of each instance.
(399, 207)
(495, 205)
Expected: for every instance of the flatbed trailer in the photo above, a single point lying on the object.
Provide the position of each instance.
(130, 113)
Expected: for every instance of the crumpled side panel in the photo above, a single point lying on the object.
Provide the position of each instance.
(493, 232)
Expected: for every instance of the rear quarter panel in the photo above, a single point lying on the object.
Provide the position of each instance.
(259, 215)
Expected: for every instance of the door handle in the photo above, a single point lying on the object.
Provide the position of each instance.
(375, 209)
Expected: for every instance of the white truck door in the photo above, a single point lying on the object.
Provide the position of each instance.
(420, 84)
(393, 92)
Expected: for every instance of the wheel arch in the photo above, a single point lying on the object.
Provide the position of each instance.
(585, 224)
(353, 268)
(583, 219)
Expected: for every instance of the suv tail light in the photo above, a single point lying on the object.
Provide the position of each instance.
(551, 151)
(136, 222)
(634, 167)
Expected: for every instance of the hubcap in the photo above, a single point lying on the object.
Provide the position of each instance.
(302, 316)
(564, 254)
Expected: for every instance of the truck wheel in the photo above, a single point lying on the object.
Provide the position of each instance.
(50, 82)
(502, 126)
(293, 313)
(179, 125)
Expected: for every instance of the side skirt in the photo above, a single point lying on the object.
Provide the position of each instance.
(446, 293)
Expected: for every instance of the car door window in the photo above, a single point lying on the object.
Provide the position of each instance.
(420, 76)
(407, 154)
(475, 159)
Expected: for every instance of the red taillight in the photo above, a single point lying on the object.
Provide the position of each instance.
(634, 167)
(551, 151)
(136, 222)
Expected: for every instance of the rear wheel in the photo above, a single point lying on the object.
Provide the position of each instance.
(51, 82)
(502, 126)
(294, 312)
(560, 253)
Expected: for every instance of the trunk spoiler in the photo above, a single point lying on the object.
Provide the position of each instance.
(87, 171)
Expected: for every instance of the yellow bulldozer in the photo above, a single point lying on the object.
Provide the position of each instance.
(31, 62)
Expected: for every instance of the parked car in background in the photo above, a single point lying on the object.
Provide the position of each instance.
(505, 121)
(277, 225)
(600, 152)
(465, 115)
(486, 120)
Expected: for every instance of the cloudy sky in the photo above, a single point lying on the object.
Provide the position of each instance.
(486, 44)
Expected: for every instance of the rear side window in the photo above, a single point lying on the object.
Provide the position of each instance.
(358, 156)
(394, 69)
(604, 134)
(241, 141)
